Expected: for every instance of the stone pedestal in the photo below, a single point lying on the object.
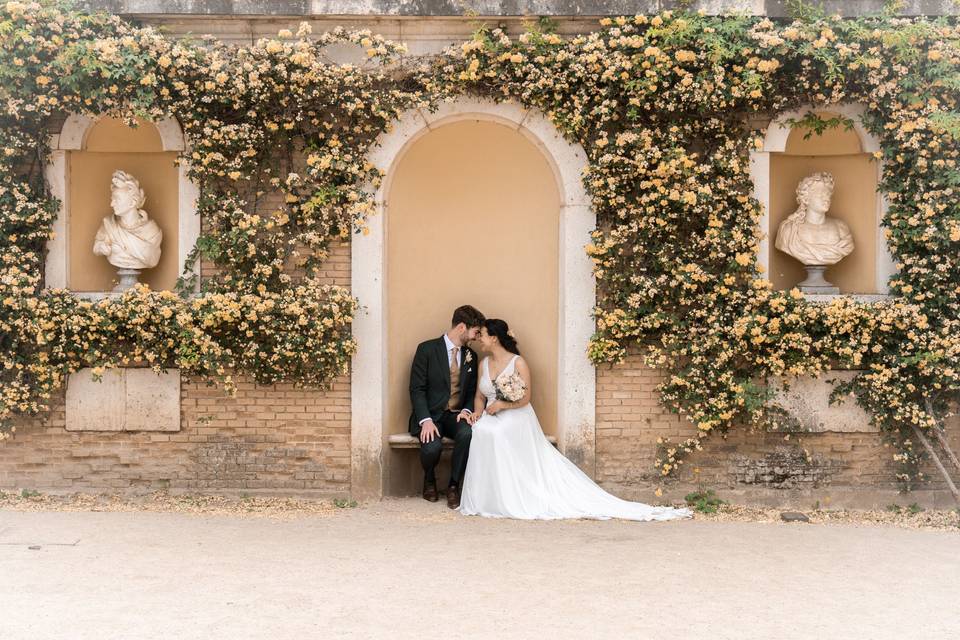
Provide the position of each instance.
(815, 282)
(128, 278)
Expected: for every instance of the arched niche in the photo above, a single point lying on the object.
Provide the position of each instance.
(474, 204)
(575, 388)
(785, 158)
(84, 156)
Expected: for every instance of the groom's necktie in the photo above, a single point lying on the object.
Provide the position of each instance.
(454, 402)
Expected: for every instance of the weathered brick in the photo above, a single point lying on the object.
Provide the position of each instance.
(628, 428)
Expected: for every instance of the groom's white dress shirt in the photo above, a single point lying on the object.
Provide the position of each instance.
(450, 346)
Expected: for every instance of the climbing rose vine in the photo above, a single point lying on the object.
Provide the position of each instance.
(667, 108)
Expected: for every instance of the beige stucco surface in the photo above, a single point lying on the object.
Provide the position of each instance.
(472, 218)
(854, 201)
(111, 145)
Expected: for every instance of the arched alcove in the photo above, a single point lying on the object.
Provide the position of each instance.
(473, 217)
(575, 384)
(787, 156)
(83, 157)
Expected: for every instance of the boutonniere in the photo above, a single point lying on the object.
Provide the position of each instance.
(469, 358)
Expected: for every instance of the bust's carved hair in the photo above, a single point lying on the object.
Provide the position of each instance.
(123, 181)
(803, 191)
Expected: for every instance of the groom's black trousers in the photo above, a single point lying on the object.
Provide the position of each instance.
(460, 433)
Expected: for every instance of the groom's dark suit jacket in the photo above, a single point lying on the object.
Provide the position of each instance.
(430, 382)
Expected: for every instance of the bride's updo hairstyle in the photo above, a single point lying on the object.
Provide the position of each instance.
(499, 328)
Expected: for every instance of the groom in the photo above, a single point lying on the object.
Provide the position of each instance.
(443, 381)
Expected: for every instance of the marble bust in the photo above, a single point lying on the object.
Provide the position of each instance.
(128, 238)
(808, 234)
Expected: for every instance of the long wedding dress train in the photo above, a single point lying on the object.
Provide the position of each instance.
(514, 472)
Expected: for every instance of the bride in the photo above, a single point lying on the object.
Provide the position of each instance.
(512, 470)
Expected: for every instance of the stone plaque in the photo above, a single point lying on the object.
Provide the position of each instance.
(808, 402)
(96, 406)
(133, 399)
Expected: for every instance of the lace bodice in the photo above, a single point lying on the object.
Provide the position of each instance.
(486, 384)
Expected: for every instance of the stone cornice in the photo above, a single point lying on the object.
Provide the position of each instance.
(441, 8)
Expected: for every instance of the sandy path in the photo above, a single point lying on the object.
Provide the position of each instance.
(411, 569)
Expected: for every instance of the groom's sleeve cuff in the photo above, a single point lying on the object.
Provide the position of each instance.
(424, 420)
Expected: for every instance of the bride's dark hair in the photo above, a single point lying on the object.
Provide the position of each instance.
(499, 328)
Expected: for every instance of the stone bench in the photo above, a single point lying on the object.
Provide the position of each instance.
(407, 441)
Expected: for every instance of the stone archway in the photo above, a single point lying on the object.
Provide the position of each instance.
(576, 386)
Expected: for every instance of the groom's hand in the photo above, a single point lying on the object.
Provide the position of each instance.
(465, 416)
(428, 431)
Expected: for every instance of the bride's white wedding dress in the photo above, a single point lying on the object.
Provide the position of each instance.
(514, 472)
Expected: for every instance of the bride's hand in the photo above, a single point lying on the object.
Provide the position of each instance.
(494, 407)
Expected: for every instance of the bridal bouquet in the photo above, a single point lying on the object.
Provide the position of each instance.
(510, 388)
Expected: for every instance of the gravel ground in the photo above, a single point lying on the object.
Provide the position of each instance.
(286, 508)
(164, 566)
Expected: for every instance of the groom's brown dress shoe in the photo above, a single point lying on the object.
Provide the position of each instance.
(430, 491)
(453, 497)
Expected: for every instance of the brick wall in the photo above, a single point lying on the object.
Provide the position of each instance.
(267, 437)
(279, 438)
(276, 437)
(630, 419)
